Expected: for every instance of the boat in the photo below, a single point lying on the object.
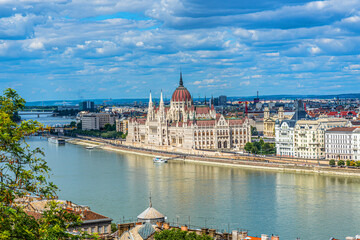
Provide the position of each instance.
(160, 160)
(55, 140)
(90, 147)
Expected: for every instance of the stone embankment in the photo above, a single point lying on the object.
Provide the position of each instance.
(226, 159)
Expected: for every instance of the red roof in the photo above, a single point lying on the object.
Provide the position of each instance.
(181, 94)
(86, 215)
(205, 122)
(236, 121)
(342, 129)
(202, 110)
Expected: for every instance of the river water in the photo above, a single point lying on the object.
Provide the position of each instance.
(118, 185)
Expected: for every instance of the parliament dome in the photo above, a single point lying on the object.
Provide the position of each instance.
(181, 94)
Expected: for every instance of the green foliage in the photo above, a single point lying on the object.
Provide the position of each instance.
(260, 147)
(72, 124)
(341, 163)
(357, 163)
(254, 131)
(179, 235)
(332, 162)
(22, 172)
(347, 162)
(113, 227)
(98, 133)
(108, 127)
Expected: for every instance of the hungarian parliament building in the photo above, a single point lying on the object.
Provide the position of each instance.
(188, 126)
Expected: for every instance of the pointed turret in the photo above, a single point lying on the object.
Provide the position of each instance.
(161, 113)
(181, 84)
(161, 99)
(150, 99)
(150, 115)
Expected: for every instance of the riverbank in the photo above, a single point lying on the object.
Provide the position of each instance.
(260, 165)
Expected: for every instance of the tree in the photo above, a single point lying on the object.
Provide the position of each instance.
(23, 172)
(332, 162)
(73, 124)
(248, 147)
(341, 163)
(179, 235)
(254, 131)
(357, 163)
(347, 162)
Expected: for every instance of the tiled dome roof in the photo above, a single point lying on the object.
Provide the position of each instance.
(181, 93)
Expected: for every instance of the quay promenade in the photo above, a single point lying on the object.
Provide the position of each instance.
(225, 158)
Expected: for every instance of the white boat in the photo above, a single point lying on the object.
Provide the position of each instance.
(90, 147)
(160, 160)
(56, 140)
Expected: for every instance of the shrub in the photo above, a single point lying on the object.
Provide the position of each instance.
(357, 163)
(347, 162)
(352, 163)
(332, 162)
(341, 163)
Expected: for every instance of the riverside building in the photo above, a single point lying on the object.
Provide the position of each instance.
(184, 125)
(97, 121)
(342, 143)
(303, 136)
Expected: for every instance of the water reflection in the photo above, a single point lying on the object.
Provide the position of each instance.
(291, 205)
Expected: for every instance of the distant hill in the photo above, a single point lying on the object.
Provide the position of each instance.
(145, 100)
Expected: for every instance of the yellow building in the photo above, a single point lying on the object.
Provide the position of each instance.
(269, 121)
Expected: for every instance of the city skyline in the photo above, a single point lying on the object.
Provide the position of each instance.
(73, 50)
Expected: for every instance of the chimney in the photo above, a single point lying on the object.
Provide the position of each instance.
(275, 238)
(243, 234)
(264, 237)
(166, 225)
(184, 228)
(212, 232)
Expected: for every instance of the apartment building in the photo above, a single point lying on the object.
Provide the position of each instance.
(342, 143)
(284, 138)
(309, 136)
(122, 125)
(97, 121)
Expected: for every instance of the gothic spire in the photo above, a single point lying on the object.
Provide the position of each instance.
(181, 84)
(150, 99)
(161, 98)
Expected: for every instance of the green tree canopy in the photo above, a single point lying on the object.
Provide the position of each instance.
(179, 235)
(23, 171)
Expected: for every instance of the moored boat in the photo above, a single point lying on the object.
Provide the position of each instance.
(55, 140)
(158, 159)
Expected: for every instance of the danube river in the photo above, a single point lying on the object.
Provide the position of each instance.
(118, 185)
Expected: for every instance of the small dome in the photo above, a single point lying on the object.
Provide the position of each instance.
(151, 215)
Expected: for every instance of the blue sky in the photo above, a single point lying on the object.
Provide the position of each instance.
(63, 49)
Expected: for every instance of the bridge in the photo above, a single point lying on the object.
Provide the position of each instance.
(48, 113)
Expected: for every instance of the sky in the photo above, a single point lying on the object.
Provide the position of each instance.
(88, 49)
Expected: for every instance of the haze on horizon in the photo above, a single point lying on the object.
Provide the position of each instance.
(67, 49)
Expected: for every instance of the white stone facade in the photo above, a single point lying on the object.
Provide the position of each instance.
(187, 126)
(343, 143)
(284, 138)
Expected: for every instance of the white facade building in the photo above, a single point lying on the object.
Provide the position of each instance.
(182, 124)
(284, 138)
(343, 143)
(309, 136)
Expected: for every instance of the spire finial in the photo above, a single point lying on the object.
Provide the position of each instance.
(150, 201)
(181, 81)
